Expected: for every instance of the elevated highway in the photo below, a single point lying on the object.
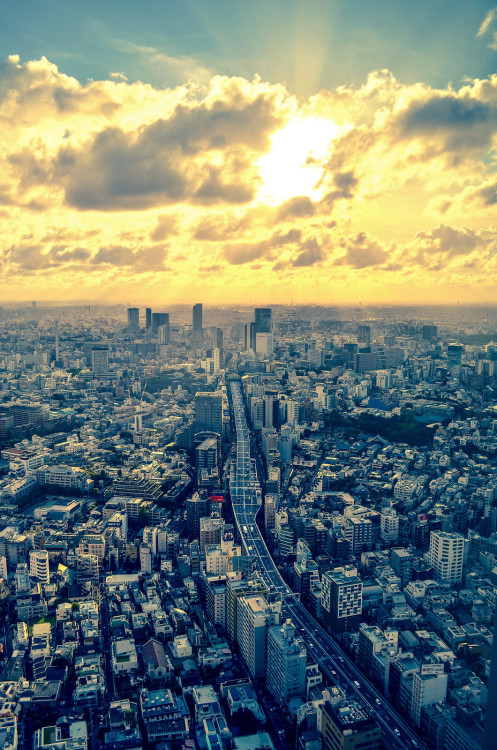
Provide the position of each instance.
(246, 497)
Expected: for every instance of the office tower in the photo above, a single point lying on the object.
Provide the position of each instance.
(100, 358)
(206, 456)
(269, 512)
(159, 319)
(372, 640)
(286, 536)
(261, 324)
(257, 413)
(347, 725)
(215, 600)
(286, 663)
(148, 317)
(342, 599)
(197, 317)
(133, 319)
(196, 508)
(255, 615)
(209, 412)
(164, 334)
(210, 531)
(194, 558)
(401, 560)
(57, 347)
(429, 333)
(236, 588)
(429, 686)
(364, 335)
(263, 319)
(359, 532)
(264, 344)
(454, 354)
(219, 338)
(446, 556)
(38, 566)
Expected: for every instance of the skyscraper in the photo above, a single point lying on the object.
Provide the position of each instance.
(209, 412)
(262, 324)
(159, 319)
(164, 334)
(133, 318)
(148, 317)
(197, 317)
(364, 334)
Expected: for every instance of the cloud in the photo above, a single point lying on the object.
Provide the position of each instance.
(143, 259)
(487, 22)
(463, 121)
(309, 254)
(450, 241)
(202, 153)
(106, 182)
(243, 252)
(362, 251)
(299, 207)
(166, 226)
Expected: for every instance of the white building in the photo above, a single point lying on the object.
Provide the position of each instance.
(286, 663)
(61, 475)
(264, 344)
(145, 559)
(428, 687)
(446, 556)
(38, 566)
(389, 525)
(254, 616)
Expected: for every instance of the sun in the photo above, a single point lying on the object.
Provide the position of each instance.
(294, 163)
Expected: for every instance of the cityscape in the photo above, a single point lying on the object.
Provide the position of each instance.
(247, 528)
(248, 375)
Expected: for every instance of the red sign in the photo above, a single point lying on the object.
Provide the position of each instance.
(217, 498)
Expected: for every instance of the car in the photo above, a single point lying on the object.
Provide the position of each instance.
(397, 731)
(357, 684)
(378, 701)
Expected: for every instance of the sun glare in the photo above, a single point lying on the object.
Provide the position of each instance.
(293, 165)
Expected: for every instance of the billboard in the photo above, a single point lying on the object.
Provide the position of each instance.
(217, 498)
(432, 669)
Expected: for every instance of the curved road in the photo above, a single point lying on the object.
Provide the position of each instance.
(246, 498)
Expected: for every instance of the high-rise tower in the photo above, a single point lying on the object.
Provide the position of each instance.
(133, 318)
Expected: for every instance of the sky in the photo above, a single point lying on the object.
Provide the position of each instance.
(335, 152)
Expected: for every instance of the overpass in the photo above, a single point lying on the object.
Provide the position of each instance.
(246, 498)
